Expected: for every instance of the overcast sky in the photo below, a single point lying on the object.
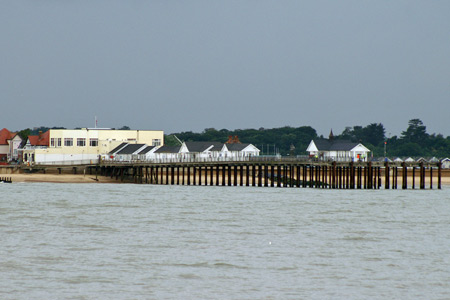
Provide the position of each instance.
(190, 65)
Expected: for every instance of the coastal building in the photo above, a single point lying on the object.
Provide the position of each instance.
(40, 141)
(445, 163)
(186, 152)
(9, 145)
(240, 151)
(167, 153)
(87, 145)
(337, 150)
(133, 152)
(199, 150)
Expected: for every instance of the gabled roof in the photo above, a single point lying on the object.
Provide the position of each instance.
(203, 146)
(236, 147)
(5, 135)
(118, 148)
(146, 150)
(40, 140)
(335, 145)
(130, 149)
(168, 149)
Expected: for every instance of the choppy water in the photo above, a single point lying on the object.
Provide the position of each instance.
(106, 241)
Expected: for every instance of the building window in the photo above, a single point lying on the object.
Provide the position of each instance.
(93, 142)
(156, 142)
(55, 142)
(68, 142)
(81, 142)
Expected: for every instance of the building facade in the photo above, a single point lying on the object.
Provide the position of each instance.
(9, 145)
(87, 145)
(337, 150)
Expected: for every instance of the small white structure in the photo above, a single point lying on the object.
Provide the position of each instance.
(148, 153)
(187, 152)
(240, 151)
(132, 152)
(337, 150)
(200, 150)
(445, 163)
(433, 160)
(129, 152)
(167, 153)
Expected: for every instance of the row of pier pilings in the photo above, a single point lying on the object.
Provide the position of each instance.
(313, 175)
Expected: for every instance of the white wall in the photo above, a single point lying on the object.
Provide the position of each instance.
(65, 159)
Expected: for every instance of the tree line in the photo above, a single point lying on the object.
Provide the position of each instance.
(414, 141)
(287, 140)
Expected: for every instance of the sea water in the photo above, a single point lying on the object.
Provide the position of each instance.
(126, 241)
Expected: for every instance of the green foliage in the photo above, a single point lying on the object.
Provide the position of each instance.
(269, 141)
(24, 133)
(171, 140)
(372, 133)
(415, 141)
(416, 131)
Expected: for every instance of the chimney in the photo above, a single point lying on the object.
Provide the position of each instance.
(230, 140)
(236, 140)
(40, 134)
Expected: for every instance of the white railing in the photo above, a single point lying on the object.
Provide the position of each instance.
(208, 160)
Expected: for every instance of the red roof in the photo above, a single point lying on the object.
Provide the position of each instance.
(5, 135)
(40, 140)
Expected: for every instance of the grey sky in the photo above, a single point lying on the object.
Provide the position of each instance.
(189, 65)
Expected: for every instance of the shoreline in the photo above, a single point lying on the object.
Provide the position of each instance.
(59, 178)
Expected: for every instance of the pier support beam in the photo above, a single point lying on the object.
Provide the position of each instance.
(404, 176)
(439, 175)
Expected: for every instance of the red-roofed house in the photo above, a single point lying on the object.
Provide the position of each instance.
(38, 141)
(9, 145)
(41, 141)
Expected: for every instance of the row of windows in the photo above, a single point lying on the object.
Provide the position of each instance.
(68, 142)
(81, 142)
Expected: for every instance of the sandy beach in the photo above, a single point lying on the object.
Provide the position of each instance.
(59, 178)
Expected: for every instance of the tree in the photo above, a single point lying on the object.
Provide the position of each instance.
(416, 132)
(374, 134)
(24, 133)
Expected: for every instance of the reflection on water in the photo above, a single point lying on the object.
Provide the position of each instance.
(77, 241)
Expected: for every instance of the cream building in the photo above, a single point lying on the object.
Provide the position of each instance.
(87, 145)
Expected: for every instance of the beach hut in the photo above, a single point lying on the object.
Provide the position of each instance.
(445, 163)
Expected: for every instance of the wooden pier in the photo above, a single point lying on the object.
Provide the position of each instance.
(5, 180)
(321, 175)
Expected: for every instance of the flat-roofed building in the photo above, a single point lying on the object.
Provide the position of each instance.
(87, 145)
